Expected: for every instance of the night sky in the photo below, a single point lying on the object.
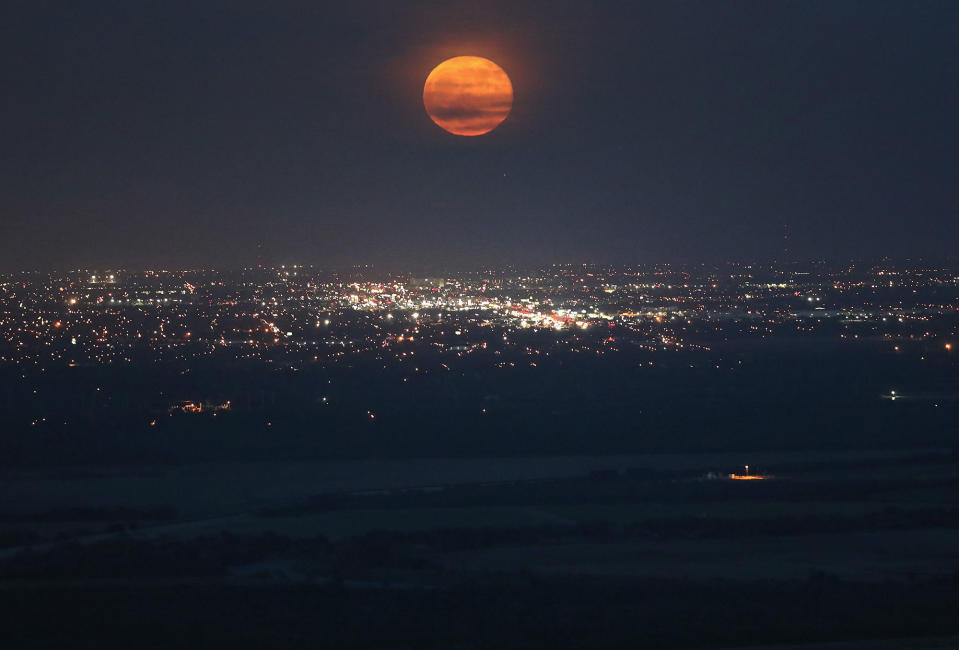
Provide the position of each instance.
(173, 134)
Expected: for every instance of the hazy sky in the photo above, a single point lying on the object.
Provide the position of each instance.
(178, 134)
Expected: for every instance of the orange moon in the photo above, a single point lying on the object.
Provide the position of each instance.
(468, 95)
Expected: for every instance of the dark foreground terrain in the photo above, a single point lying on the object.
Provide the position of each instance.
(513, 500)
(829, 547)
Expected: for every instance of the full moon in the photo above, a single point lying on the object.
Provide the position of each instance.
(468, 95)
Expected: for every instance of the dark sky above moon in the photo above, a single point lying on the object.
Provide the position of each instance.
(181, 134)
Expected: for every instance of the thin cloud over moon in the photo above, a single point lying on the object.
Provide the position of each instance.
(468, 95)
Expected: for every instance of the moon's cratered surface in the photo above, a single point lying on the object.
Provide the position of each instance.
(468, 95)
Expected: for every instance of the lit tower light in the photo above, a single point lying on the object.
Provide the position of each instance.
(749, 477)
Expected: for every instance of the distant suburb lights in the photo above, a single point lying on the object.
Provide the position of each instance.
(468, 95)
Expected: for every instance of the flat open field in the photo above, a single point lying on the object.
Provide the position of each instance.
(871, 557)
(830, 546)
(221, 488)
